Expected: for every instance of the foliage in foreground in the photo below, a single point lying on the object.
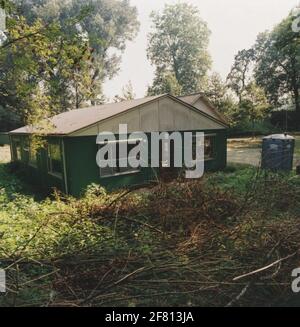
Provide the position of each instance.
(182, 243)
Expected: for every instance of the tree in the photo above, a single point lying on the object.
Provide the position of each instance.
(127, 93)
(278, 64)
(177, 48)
(59, 53)
(107, 24)
(252, 104)
(218, 94)
(216, 90)
(37, 62)
(255, 105)
(241, 73)
(165, 82)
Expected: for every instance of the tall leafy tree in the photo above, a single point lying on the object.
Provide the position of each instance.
(165, 82)
(252, 104)
(241, 72)
(220, 95)
(58, 53)
(178, 48)
(127, 93)
(278, 64)
(107, 25)
(255, 105)
(34, 63)
(215, 89)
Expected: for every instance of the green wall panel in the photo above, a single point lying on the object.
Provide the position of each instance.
(82, 169)
(4, 138)
(38, 175)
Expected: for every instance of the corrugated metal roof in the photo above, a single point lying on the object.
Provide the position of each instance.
(74, 120)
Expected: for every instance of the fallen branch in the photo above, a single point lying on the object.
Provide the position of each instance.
(266, 267)
(239, 296)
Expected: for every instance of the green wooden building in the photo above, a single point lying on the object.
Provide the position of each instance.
(4, 138)
(67, 160)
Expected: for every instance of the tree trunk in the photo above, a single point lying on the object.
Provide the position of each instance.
(297, 100)
(295, 87)
(297, 103)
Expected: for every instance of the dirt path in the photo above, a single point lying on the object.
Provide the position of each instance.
(247, 156)
(248, 151)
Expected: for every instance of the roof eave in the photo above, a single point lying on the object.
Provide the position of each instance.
(12, 133)
(177, 99)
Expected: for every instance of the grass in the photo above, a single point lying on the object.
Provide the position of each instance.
(180, 244)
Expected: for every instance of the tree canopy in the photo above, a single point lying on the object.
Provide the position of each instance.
(267, 75)
(60, 52)
(178, 49)
(278, 64)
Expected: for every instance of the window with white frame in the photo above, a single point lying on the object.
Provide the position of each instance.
(55, 158)
(119, 169)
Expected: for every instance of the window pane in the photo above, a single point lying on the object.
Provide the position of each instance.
(55, 152)
(55, 161)
(25, 150)
(56, 166)
(208, 147)
(129, 148)
(107, 171)
(17, 148)
(32, 156)
(110, 171)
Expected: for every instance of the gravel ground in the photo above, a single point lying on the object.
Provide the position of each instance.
(4, 153)
(248, 151)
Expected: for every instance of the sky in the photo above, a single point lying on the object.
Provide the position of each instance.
(234, 24)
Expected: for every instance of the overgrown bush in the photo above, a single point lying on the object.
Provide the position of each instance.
(179, 243)
(247, 128)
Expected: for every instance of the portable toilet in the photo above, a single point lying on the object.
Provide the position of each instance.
(278, 152)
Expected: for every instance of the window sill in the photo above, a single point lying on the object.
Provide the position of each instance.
(206, 159)
(122, 174)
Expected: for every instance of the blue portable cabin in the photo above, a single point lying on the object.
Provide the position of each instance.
(278, 152)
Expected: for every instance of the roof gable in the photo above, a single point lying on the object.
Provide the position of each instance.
(75, 120)
(200, 102)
